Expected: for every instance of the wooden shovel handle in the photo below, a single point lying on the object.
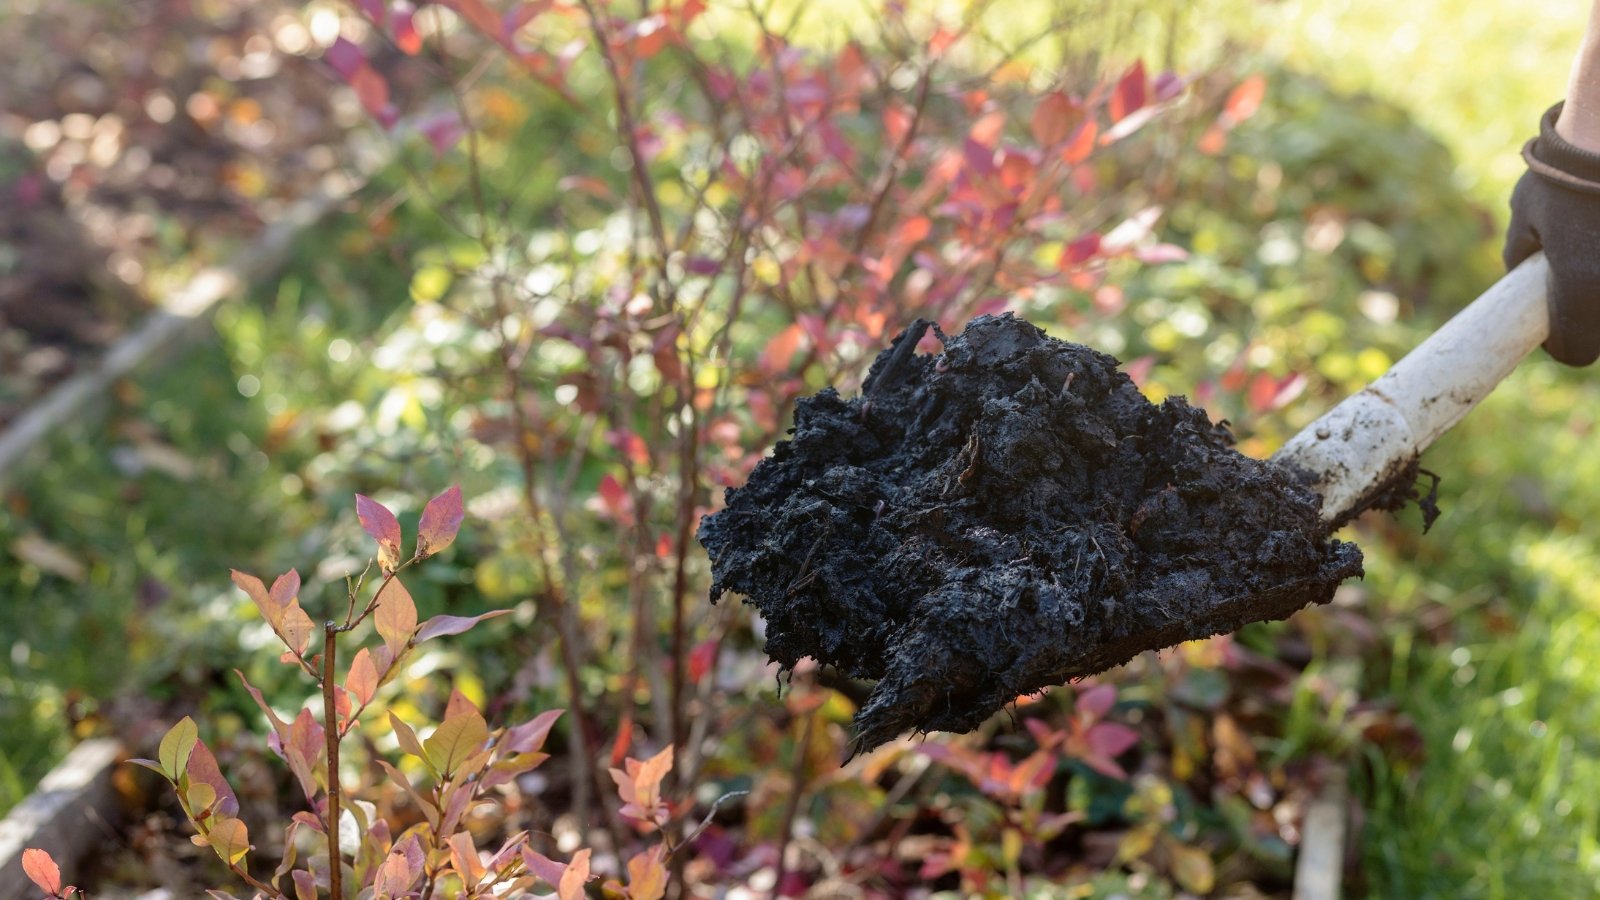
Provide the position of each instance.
(1372, 436)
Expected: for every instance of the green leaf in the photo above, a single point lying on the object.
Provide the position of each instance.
(229, 838)
(407, 737)
(453, 742)
(200, 798)
(176, 746)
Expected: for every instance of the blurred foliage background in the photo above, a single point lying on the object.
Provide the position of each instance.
(1353, 213)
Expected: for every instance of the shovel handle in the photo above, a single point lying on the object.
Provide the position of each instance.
(1374, 435)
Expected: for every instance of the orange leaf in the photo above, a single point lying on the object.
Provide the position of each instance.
(647, 875)
(1245, 99)
(1081, 144)
(362, 682)
(1053, 118)
(780, 350)
(572, 880)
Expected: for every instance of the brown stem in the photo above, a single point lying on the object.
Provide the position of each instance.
(330, 726)
(792, 806)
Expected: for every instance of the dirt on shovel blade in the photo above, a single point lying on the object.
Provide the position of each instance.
(1005, 516)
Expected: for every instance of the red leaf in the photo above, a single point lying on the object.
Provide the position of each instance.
(373, 9)
(979, 158)
(987, 130)
(700, 659)
(373, 92)
(203, 768)
(1129, 95)
(614, 497)
(441, 520)
(378, 521)
(442, 130)
(480, 15)
(42, 871)
(1080, 251)
(897, 123)
(406, 36)
(1053, 119)
(1109, 740)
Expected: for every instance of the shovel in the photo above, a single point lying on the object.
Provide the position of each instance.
(1012, 513)
(1375, 435)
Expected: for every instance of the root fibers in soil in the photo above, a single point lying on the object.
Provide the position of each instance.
(1004, 516)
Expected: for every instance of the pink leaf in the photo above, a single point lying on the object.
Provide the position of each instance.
(345, 58)
(441, 520)
(614, 497)
(203, 768)
(1098, 700)
(530, 735)
(362, 682)
(443, 131)
(1080, 251)
(439, 626)
(378, 521)
(42, 871)
(543, 867)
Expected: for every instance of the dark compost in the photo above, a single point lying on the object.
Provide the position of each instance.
(1004, 516)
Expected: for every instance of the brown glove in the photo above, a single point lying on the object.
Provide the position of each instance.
(1556, 208)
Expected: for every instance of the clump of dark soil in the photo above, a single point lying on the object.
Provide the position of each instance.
(1005, 516)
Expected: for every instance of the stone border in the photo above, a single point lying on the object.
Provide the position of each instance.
(74, 808)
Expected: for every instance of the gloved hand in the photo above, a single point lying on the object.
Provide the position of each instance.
(1556, 208)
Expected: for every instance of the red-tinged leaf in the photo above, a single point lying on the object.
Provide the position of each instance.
(1289, 389)
(1213, 141)
(362, 682)
(464, 859)
(1031, 774)
(897, 119)
(395, 876)
(407, 737)
(380, 523)
(229, 838)
(176, 745)
(286, 589)
(303, 751)
(988, 129)
(441, 520)
(543, 867)
(458, 704)
(1129, 95)
(374, 10)
(521, 15)
(203, 769)
(42, 871)
(1053, 119)
(1080, 251)
(270, 609)
(280, 728)
(614, 498)
(442, 131)
(1262, 387)
(396, 617)
(406, 36)
(701, 658)
(646, 37)
(296, 629)
(1108, 740)
(780, 351)
(1159, 254)
(530, 735)
(1168, 85)
(345, 58)
(1081, 144)
(1138, 370)
(573, 879)
(647, 874)
(1097, 700)
(439, 626)
(305, 885)
(455, 740)
(979, 159)
(1244, 100)
(481, 17)
(1129, 124)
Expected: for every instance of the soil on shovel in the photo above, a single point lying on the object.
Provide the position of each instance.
(1005, 516)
